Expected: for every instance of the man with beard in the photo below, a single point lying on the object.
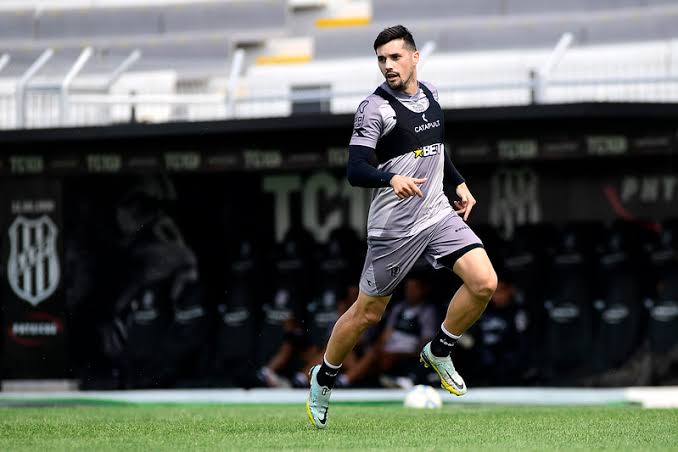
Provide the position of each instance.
(397, 149)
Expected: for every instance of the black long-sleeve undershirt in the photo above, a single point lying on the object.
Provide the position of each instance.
(362, 170)
(451, 174)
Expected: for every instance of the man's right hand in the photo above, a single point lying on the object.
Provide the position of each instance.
(405, 186)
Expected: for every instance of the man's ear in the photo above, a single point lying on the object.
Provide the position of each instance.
(415, 56)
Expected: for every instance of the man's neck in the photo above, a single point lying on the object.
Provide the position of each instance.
(412, 88)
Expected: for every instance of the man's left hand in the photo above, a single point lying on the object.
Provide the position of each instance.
(466, 201)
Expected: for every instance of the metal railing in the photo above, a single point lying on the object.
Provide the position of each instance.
(59, 105)
(39, 107)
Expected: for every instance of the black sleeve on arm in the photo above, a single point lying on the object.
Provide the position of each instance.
(451, 175)
(361, 170)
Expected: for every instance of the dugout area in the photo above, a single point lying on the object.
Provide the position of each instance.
(555, 184)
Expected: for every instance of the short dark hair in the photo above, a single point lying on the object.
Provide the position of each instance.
(392, 33)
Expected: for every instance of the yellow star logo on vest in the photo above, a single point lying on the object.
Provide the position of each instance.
(418, 153)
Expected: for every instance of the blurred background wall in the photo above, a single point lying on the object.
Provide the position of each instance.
(175, 212)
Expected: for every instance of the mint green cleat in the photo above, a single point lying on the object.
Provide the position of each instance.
(449, 377)
(318, 403)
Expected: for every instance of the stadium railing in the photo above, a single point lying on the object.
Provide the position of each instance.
(49, 106)
(640, 71)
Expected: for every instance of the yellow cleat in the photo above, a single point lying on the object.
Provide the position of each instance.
(450, 380)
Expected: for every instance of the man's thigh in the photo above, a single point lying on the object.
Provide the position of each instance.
(474, 265)
(450, 240)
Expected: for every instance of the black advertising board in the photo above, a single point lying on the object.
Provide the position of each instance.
(524, 164)
(474, 136)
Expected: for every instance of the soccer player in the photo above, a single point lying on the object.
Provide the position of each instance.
(397, 149)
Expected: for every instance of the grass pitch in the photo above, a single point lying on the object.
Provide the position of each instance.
(351, 426)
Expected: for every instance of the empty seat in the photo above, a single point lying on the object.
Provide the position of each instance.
(236, 323)
(621, 299)
(552, 6)
(322, 314)
(641, 27)
(283, 309)
(523, 264)
(240, 15)
(333, 44)
(459, 34)
(568, 296)
(663, 307)
(357, 42)
(193, 55)
(504, 35)
(95, 22)
(400, 11)
(335, 270)
(663, 324)
(20, 60)
(208, 53)
(16, 24)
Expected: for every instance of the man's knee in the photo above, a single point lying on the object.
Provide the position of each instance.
(368, 312)
(482, 286)
(372, 315)
(477, 272)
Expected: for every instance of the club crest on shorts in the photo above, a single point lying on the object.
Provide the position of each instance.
(394, 270)
(33, 267)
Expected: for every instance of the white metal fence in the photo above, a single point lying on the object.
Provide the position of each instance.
(42, 108)
(650, 74)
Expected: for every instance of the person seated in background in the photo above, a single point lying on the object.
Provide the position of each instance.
(412, 322)
(500, 338)
(328, 282)
(280, 333)
(297, 353)
(295, 346)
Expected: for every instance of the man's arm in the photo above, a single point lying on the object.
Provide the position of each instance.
(451, 175)
(361, 170)
(466, 200)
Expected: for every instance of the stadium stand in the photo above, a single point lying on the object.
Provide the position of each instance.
(257, 19)
(387, 11)
(85, 23)
(287, 43)
(17, 24)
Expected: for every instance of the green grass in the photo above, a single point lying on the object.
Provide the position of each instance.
(385, 427)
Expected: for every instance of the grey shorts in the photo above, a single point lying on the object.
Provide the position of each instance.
(389, 259)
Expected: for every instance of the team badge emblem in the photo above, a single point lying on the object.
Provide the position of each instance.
(33, 267)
